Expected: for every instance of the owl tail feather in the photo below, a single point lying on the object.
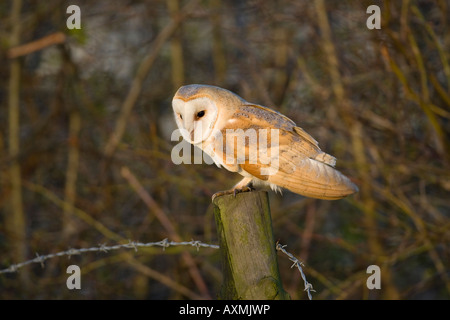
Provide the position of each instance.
(315, 179)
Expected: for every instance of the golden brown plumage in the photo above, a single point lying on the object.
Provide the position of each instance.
(290, 159)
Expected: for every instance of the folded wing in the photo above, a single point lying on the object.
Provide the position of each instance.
(293, 159)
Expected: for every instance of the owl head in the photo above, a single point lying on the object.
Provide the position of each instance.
(198, 107)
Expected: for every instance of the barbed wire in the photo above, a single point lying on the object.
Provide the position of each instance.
(165, 243)
(298, 264)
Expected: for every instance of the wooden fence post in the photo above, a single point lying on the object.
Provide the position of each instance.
(247, 247)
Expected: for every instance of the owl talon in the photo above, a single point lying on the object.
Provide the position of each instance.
(221, 193)
(243, 189)
(234, 192)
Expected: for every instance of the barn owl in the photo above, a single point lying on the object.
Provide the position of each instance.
(267, 148)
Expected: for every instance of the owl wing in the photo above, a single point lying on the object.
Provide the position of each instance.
(296, 162)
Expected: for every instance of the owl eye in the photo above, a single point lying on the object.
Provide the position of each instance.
(181, 116)
(201, 114)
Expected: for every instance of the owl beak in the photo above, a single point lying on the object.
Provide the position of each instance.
(187, 125)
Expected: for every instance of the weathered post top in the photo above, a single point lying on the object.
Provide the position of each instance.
(247, 247)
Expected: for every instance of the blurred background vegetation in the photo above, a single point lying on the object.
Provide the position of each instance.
(85, 124)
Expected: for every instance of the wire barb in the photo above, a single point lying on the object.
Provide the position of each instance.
(40, 259)
(164, 244)
(196, 244)
(70, 252)
(133, 244)
(103, 248)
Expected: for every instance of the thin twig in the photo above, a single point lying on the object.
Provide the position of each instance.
(36, 45)
(15, 221)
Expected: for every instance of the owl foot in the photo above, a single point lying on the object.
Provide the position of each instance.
(247, 188)
(234, 192)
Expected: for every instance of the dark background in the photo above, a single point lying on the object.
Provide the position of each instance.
(86, 120)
